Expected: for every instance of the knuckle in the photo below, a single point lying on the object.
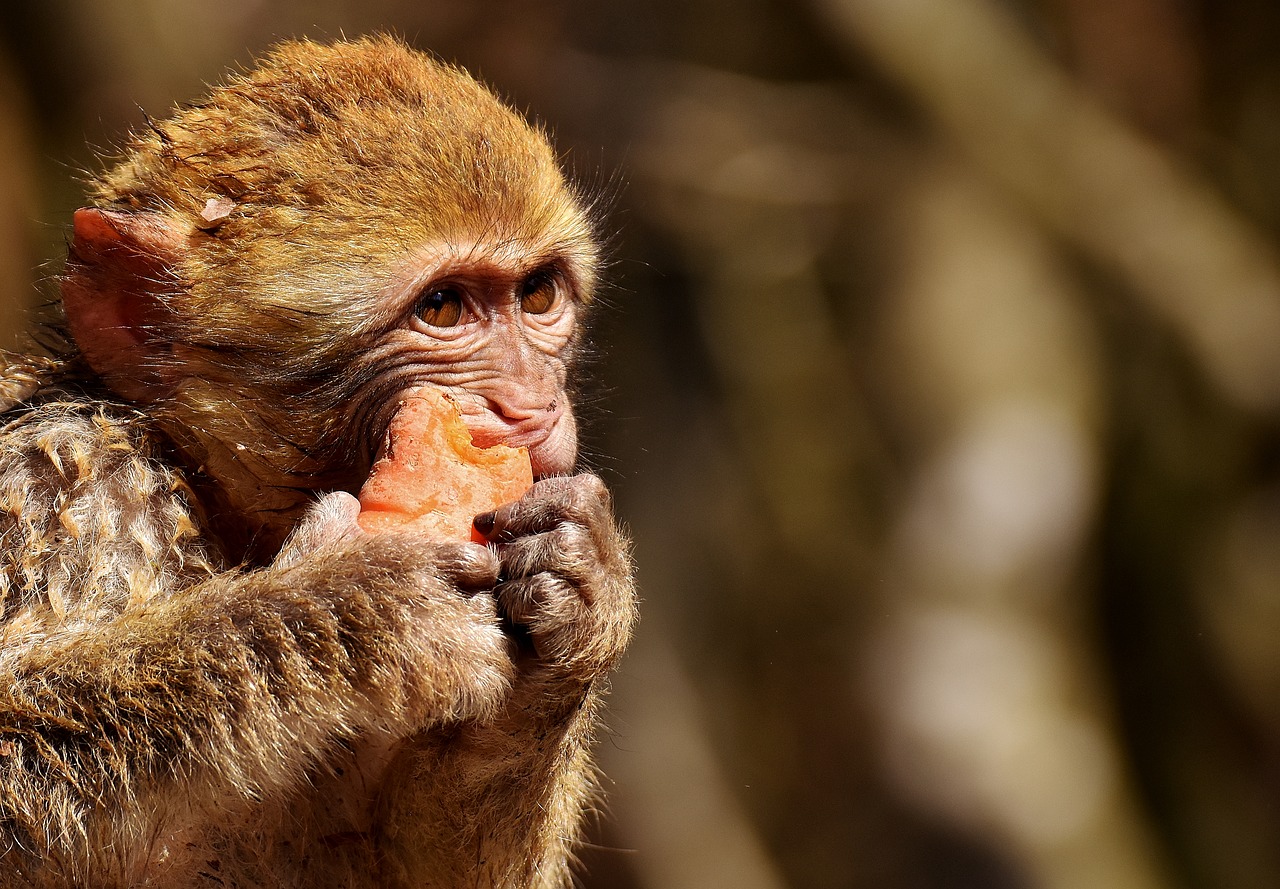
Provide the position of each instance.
(576, 555)
(552, 486)
(568, 550)
(539, 600)
(518, 599)
(525, 557)
(512, 565)
(469, 559)
(574, 542)
(587, 499)
(592, 487)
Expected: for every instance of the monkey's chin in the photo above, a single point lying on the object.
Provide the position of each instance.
(557, 453)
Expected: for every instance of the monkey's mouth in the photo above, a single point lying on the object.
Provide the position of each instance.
(549, 434)
(549, 437)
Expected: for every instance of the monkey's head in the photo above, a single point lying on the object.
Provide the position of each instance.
(268, 270)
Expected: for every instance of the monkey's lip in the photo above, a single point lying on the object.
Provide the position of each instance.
(487, 431)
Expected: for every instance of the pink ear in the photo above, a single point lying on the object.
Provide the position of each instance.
(118, 267)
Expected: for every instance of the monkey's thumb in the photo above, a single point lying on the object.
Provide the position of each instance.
(329, 521)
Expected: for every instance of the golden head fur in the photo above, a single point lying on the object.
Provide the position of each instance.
(272, 217)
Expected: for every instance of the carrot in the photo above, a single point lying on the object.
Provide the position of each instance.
(431, 478)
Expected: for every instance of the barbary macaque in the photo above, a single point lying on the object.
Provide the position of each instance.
(209, 674)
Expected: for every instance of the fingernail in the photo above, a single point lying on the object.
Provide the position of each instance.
(484, 523)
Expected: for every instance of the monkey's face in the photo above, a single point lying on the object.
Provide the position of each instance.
(280, 263)
(288, 389)
(493, 326)
(303, 388)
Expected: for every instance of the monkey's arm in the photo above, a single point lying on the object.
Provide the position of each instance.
(136, 698)
(228, 691)
(498, 802)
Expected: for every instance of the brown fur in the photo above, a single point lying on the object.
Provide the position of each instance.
(189, 698)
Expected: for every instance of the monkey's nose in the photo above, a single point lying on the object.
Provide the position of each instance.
(517, 409)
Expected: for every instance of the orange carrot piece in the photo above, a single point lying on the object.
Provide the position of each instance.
(432, 479)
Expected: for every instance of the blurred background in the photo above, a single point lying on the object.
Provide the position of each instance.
(939, 383)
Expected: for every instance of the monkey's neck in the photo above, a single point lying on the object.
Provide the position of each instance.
(249, 535)
(247, 514)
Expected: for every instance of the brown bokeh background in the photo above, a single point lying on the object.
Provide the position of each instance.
(939, 383)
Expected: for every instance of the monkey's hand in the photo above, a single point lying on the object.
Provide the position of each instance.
(497, 803)
(445, 627)
(566, 581)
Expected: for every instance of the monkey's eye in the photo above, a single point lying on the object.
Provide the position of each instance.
(441, 307)
(540, 293)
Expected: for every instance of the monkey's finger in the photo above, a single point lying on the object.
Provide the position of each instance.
(470, 567)
(582, 499)
(329, 521)
(568, 551)
(539, 603)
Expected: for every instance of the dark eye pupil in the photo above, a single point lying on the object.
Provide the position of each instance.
(440, 308)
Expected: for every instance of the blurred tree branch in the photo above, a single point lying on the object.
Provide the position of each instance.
(1128, 204)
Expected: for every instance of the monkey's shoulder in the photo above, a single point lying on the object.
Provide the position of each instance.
(89, 514)
(71, 442)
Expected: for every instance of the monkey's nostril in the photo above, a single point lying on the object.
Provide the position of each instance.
(518, 409)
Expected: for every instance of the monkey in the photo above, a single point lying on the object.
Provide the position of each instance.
(209, 674)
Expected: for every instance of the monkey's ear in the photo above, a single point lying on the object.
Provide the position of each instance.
(118, 267)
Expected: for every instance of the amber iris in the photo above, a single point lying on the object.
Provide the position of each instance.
(441, 307)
